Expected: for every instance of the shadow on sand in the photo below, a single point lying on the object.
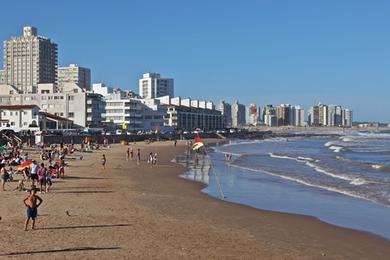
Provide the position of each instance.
(88, 226)
(74, 249)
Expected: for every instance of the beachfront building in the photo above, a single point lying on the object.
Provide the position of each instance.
(269, 116)
(74, 74)
(19, 117)
(323, 111)
(95, 109)
(314, 116)
(2, 77)
(188, 115)
(297, 116)
(153, 114)
(238, 114)
(348, 117)
(330, 115)
(283, 114)
(71, 104)
(226, 111)
(151, 85)
(29, 60)
(254, 114)
(122, 112)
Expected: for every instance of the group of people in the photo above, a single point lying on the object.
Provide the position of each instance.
(130, 155)
(31, 171)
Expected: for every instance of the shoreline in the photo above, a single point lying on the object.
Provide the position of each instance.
(222, 198)
(146, 212)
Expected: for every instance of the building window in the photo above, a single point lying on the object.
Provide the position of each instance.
(71, 98)
(24, 113)
(11, 113)
(4, 113)
(71, 114)
(12, 123)
(25, 123)
(16, 113)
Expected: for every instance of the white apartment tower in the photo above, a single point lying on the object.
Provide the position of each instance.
(29, 60)
(153, 86)
(238, 114)
(75, 74)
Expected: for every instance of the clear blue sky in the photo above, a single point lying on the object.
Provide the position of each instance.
(297, 52)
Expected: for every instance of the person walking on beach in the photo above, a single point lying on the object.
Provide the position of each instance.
(42, 171)
(103, 161)
(150, 159)
(138, 156)
(154, 159)
(33, 173)
(131, 154)
(32, 203)
(128, 154)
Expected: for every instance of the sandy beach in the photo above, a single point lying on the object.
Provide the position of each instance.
(131, 211)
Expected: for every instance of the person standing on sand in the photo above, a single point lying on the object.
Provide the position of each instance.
(34, 170)
(42, 171)
(128, 154)
(3, 177)
(138, 156)
(32, 203)
(104, 160)
(131, 154)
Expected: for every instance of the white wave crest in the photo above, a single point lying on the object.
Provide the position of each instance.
(336, 148)
(344, 192)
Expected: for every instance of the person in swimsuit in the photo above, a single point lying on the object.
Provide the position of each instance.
(32, 203)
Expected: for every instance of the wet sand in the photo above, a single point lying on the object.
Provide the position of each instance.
(132, 211)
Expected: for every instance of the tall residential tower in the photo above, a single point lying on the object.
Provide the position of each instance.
(29, 60)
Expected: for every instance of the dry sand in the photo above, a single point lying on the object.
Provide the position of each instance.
(147, 212)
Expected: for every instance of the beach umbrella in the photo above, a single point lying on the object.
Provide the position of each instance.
(24, 165)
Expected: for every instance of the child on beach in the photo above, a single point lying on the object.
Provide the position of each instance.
(104, 160)
(32, 203)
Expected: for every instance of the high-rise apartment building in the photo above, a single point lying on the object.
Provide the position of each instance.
(323, 115)
(2, 76)
(29, 60)
(283, 114)
(74, 74)
(238, 114)
(347, 117)
(153, 86)
(226, 110)
(314, 116)
(297, 116)
(254, 114)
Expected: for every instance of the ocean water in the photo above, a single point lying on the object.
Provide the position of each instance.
(343, 181)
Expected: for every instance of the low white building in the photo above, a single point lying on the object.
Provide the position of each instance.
(19, 117)
(185, 114)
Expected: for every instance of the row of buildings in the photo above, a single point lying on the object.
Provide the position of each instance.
(235, 115)
(65, 98)
(31, 80)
